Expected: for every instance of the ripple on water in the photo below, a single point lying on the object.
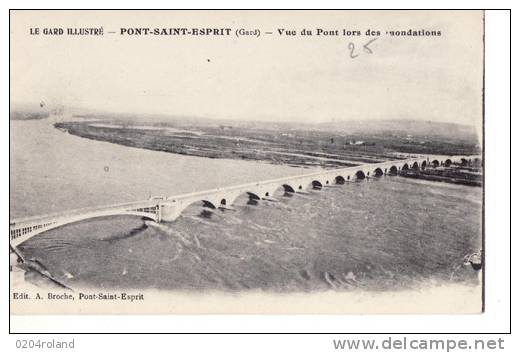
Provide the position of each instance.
(382, 234)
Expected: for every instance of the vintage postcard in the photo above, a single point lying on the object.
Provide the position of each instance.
(270, 162)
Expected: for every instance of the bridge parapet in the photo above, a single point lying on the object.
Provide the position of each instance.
(22, 229)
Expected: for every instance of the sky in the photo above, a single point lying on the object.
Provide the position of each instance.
(272, 77)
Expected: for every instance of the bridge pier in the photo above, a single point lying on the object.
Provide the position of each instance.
(169, 212)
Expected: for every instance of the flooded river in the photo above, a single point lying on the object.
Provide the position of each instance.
(387, 233)
(53, 171)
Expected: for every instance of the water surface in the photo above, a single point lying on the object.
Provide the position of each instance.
(387, 233)
(344, 237)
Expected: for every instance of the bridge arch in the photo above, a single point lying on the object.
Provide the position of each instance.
(405, 167)
(288, 188)
(360, 175)
(230, 198)
(316, 184)
(340, 180)
(393, 170)
(203, 203)
(378, 172)
(423, 165)
(208, 204)
(447, 162)
(435, 163)
(283, 190)
(415, 165)
(20, 235)
(252, 195)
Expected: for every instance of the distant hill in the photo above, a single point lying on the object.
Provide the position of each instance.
(34, 111)
(27, 115)
(28, 111)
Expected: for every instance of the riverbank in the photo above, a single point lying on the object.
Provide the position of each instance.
(453, 174)
(292, 147)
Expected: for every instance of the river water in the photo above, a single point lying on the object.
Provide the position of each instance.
(386, 233)
(52, 171)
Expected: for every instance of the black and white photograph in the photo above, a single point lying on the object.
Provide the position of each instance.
(246, 162)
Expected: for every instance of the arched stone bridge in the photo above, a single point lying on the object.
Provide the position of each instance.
(169, 208)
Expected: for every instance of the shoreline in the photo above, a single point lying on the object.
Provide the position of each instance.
(291, 148)
(260, 149)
